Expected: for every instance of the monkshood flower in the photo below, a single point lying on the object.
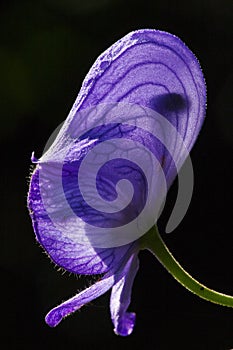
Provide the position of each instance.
(97, 192)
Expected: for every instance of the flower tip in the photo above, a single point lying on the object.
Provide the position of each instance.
(53, 318)
(33, 158)
(125, 324)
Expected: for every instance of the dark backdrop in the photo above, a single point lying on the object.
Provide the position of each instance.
(46, 49)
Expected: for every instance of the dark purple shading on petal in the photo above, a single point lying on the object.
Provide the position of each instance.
(65, 252)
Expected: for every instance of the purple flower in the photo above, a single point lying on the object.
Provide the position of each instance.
(147, 68)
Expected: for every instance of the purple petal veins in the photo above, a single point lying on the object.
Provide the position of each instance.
(73, 257)
(149, 68)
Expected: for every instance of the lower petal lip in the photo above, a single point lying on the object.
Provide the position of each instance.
(55, 316)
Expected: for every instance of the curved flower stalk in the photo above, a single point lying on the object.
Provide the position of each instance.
(158, 74)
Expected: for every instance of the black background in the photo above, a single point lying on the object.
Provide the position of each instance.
(47, 47)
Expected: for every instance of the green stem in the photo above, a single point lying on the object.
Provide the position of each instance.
(153, 242)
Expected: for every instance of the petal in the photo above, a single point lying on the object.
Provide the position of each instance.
(58, 313)
(120, 299)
